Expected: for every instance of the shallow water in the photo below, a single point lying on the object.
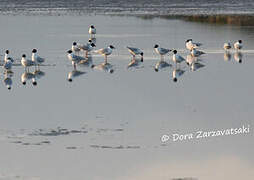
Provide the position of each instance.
(109, 126)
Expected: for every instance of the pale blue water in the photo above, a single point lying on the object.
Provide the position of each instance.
(108, 126)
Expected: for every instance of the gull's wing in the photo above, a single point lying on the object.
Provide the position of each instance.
(164, 51)
(134, 50)
(78, 58)
(197, 44)
(83, 46)
(40, 59)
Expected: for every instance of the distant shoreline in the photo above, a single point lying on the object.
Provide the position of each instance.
(238, 18)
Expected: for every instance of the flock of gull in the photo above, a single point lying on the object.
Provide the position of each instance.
(81, 54)
(74, 55)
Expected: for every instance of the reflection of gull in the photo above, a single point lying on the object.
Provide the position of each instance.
(160, 65)
(135, 51)
(238, 56)
(74, 74)
(196, 53)
(105, 51)
(177, 73)
(238, 45)
(161, 51)
(227, 46)
(134, 63)
(190, 44)
(177, 58)
(104, 67)
(196, 65)
(74, 58)
(37, 59)
(26, 76)
(227, 56)
(92, 31)
(38, 74)
(190, 59)
(88, 62)
(8, 80)
(26, 62)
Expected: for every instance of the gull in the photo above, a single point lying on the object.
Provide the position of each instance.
(28, 76)
(37, 59)
(135, 51)
(75, 47)
(161, 51)
(7, 80)
(8, 65)
(196, 53)
(92, 31)
(92, 40)
(238, 45)
(105, 51)
(26, 62)
(238, 56)
(227, 46)
(74, 74)
(6, 56)
(190, 44)
(177, 58)
(74, 58)
(86, 47)
(177, 73)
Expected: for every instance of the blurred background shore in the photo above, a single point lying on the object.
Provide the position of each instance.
(220, 12)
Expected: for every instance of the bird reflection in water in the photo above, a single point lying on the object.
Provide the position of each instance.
(87, 62)
(161, 65)
(27, 76)
(191, 59)
(38, 74)
(196, 65)
(73, 74)
(135, 63)
(194, 62)
(105, 66)
(238, 56)
(8, 79)
(227, 56)
(177, 72)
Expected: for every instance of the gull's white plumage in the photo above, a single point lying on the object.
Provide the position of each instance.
(238, 45)
(37, 59)
(190, 44)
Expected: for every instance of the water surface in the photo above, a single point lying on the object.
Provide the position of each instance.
(108, 126)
